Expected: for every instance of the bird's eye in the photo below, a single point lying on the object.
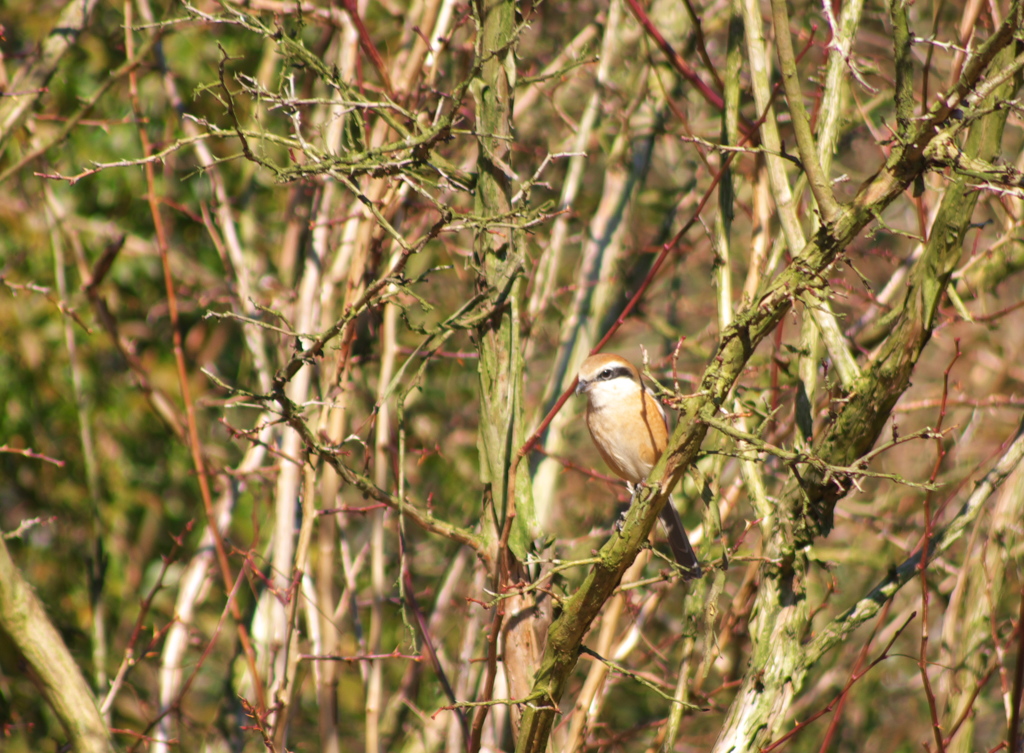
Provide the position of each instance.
(606, 374)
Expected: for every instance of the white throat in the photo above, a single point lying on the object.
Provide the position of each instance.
(612, 393)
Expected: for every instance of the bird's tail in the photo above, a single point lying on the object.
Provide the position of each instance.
(679, 543)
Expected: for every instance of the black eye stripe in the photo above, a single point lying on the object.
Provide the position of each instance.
(614, 372)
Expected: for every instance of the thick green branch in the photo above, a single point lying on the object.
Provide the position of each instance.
(821, 187)
(499, 257)
(899, 15)
(23, 618)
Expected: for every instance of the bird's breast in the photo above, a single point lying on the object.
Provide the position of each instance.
(629, 438)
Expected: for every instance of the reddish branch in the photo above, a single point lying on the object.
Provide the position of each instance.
(194, 442)
(922, 661)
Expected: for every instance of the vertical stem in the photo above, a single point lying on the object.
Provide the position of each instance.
(787, 203)
(832, 99)
(904, 94)
(289, 481)
(332, 531)
(498, 255)
(496, 249)
(750, 469)
(195, 446)
(298, 595)
(1013, 729)
(83, 404)
(726, 191)
(378, 579)
(821, 187)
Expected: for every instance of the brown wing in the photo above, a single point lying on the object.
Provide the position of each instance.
(653, 429)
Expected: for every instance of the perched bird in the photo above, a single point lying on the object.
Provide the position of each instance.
(629, 428)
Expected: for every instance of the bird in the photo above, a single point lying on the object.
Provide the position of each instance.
(630, 430)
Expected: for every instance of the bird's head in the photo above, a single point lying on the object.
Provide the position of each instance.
(605, 377)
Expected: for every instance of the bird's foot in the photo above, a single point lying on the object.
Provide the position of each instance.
(620, 521)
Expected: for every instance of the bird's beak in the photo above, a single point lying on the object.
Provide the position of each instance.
(581, 386)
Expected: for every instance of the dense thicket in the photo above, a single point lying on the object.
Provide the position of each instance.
(289, 295)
